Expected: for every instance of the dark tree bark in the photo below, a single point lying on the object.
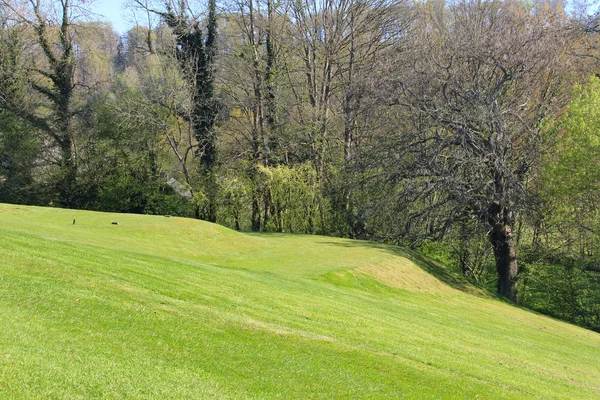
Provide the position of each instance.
(503, 245)
(270, 101)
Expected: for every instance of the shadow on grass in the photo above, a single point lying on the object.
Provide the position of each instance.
(451, 278)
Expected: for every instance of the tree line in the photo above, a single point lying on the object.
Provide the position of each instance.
(466, 129)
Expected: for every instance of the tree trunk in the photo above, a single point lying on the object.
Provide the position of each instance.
(255, 219)
(504, 251)
(270, 109)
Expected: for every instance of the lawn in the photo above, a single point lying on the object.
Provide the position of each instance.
(159, 307)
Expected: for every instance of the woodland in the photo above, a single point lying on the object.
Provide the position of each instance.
(468, 130)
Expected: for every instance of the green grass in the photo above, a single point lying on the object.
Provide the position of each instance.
(173, 308)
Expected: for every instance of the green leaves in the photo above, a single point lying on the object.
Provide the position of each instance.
(573, 168)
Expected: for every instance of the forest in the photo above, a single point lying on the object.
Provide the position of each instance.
(468, 130)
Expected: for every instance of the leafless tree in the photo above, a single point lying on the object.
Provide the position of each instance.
(480, 81)
(246, 78)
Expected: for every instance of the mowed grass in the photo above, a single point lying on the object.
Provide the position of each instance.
(170, 308)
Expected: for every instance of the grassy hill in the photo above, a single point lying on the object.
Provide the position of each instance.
(161, 308)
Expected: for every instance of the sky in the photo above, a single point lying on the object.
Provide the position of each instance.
(113, 11)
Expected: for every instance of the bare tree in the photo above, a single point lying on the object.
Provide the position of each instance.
(247, 80)
(338, 45)
(480, 81)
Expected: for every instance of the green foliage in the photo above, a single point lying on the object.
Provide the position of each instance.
(470, 255)
(13, 74)
(134, 187)
(560, 275)
(196, 53)
(569, 290)
(349, 206)
(574, 167)
(570, 180)
(234, 200)
(122, 171)
(294, 197)
(19, 151)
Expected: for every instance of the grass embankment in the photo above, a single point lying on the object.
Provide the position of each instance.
(173, 308)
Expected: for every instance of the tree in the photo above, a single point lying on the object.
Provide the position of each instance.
(246, 74)
(480, 80)
(18, 145)
(196, 53)
(19, 150)
(53, 79)
(569, 183)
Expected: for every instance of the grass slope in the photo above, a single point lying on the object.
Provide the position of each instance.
(174, 308)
